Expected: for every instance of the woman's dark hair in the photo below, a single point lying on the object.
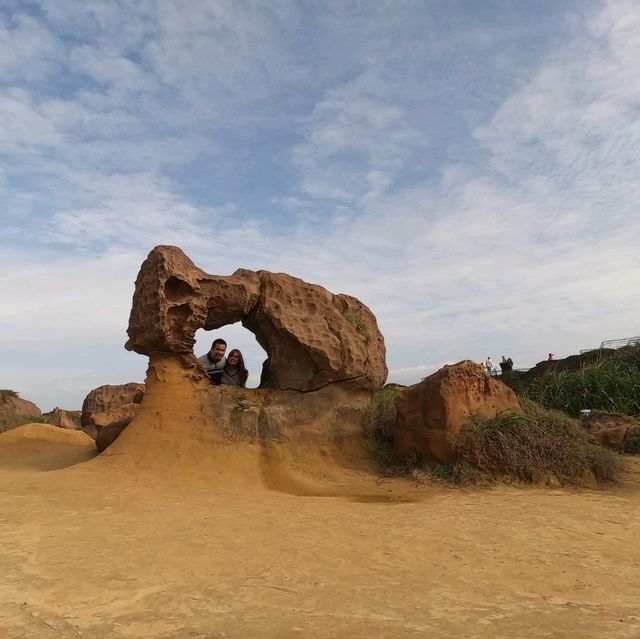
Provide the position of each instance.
(242, 371)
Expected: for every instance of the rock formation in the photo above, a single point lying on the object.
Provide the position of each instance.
(110, 408)
(326, 357)
(61, 419)
(185, 421)
(608, 429)
(15, 410)
(430, 412)
(311, 336)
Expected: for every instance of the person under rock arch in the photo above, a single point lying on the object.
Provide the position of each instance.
(214, 361)
(235, 372)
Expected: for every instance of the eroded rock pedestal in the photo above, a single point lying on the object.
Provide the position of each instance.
(183, 420)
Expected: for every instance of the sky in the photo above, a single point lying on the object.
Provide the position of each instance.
(469, 170)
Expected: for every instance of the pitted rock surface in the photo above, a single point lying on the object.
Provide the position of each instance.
(312, 337)
(61, 419)
(110, 404)
(430, 412)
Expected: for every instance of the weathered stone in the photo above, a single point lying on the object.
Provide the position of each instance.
(431, 412)
(184, 417)
(311, 336)
(62, 419)
(608, 429)
(109, 404)
(110, 423)
(15, 410)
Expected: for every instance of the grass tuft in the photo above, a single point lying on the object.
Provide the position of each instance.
(541, 446)
(359, 323)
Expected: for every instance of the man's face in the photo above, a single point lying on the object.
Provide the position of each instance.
(217, 351)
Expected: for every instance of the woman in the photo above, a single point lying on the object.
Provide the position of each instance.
(235, 374)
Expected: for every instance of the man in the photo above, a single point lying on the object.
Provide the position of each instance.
(489, 366)
(214, 361)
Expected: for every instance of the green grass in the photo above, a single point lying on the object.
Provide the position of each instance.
(610, 384)
(359, 323)
(381, 416)
(541, 446)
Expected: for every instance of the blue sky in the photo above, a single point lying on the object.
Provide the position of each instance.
(469, 170)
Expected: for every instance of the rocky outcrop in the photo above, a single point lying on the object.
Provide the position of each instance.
(15, 410)
(109, 406)
(61, 419)
(431, 412)
(608, 429)
(185, 421)
(312, 337)
(325, 352)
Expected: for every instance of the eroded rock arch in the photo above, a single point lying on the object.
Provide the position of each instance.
(312, 337)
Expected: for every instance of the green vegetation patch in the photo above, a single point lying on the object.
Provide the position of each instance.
(359, 323)
(541, 446)
(610, 384)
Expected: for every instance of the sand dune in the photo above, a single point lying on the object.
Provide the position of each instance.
(246, 547)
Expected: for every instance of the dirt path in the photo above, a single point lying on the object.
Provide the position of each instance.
(88, 551)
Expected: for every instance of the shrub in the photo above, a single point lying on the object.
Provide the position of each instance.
(381, 416)
(540, 446)
(5, 394)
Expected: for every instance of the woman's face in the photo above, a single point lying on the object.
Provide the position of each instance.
(233, 358)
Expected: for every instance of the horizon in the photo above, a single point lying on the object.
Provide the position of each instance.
(470, 173)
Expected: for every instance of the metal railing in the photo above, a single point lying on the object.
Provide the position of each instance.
(613, 343)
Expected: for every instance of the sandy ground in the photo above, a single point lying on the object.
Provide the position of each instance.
(93, 550)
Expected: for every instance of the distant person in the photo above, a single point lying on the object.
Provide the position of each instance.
(510, 363)
(235, 373)
(551, 357)
(489, 366)
(504, 365)
(214, 361)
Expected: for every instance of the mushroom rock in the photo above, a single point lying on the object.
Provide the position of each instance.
(311, 336)
(326, 357)
(431, 412)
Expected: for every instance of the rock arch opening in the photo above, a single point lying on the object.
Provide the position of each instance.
(238, 337)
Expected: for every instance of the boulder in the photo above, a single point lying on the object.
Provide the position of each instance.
(431, 412)
(62, 419)
(109, 404)
(608, 429)
(312, 337)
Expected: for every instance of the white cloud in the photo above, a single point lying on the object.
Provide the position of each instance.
(480, 200)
